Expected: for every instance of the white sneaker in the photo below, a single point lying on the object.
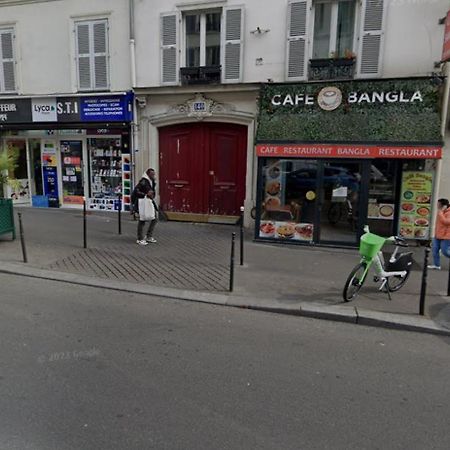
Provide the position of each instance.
(143, 242)
(151, 239)
(433, 267)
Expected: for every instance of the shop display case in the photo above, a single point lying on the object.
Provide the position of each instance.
(105, 156)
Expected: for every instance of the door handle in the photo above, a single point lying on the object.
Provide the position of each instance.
(178, 185)
(225, 187)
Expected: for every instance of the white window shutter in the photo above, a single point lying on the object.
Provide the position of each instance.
(7, 70)
(100, 44)
(297, 39)
(169, 35)
(371, 38)
(232, 44)
(83, 56)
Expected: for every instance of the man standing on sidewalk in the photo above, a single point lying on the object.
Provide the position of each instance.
(441, 240)
(147, 188)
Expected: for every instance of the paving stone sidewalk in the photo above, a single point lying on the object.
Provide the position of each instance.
(196, 257)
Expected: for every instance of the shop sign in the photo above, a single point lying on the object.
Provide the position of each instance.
(43, 109)
(415, 205)
(110, 108)
(15, 111)
(446, 48)
(348, 151)
(330, 98)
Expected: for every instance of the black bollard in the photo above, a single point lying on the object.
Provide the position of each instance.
(119, 215)
(233, 239)
(423, 289)
(448, 284)
(22, 239)
(242, 236)
(84, 225)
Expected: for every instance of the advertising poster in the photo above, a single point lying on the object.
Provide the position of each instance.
(415, 205)
(289, 231)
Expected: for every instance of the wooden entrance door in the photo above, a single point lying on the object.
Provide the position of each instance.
(202, 169)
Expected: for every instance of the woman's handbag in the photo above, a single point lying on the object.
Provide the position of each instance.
(146, 209)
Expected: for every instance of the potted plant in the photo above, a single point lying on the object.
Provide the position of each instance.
(8, 162)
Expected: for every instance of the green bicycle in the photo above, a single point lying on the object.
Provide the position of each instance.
(393, 274)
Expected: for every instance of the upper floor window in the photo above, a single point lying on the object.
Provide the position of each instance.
(202, 46)
(334, 38)
(92, 55)
(334, 29)
(202, 39)
(7, 61)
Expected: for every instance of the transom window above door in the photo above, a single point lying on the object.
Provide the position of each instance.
(202, 39)
(334, 29)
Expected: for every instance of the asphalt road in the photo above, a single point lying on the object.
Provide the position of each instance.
(85, 368)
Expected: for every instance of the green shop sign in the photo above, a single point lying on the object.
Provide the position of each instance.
(355, 111)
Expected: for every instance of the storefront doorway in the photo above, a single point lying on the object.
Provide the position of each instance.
(202, 170)
(339, 187)
(72, 172)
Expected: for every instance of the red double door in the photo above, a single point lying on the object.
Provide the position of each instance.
(202, 168)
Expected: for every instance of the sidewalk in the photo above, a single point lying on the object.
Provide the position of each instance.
(191, 261)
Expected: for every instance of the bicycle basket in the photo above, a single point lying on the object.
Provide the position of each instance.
(403, 262)
(370, 245)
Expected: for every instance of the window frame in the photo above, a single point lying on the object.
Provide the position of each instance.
(202, 13)
(92, 54)
(6, 30)
(333, 27)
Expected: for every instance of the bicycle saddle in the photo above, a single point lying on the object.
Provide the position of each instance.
(400, 241)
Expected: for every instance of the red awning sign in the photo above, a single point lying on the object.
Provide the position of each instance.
(348, 151)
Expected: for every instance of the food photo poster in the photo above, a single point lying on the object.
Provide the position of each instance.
(415, 205)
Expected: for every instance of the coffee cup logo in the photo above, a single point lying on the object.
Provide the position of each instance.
(330, 98)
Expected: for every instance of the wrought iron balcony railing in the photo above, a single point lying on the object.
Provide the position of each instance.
(200, 75)
(331, 69)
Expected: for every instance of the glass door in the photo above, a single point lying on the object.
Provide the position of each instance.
(72, 172)
(340, 201)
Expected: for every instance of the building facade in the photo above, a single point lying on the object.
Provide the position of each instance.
(301, 111)
(66, 101)
(305, 112)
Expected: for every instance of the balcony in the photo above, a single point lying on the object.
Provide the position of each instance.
(200, 75)
(331, 69)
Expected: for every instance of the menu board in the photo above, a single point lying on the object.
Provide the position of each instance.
(415, 205)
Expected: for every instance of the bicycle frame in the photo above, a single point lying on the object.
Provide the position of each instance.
(378, 261)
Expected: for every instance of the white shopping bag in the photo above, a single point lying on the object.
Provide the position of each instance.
(146, 209)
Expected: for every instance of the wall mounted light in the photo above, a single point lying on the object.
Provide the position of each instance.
(259, 31)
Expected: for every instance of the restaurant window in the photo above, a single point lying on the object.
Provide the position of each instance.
(289, 199)
(382, 196)
(334, 29)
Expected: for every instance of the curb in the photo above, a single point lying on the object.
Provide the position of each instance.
(347, 314)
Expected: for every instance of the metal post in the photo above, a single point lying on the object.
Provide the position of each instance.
(84, 224)
(233, 239)
(423, 289)
(119, 215)
(448, 284)
(22, 239)
(242, 236)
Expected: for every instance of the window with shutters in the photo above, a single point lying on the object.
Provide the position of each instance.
(7, 61)
(334, 29)
(333, 39)
(202, 47)
(92, 55)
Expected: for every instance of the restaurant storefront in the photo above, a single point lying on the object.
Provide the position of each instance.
(332, 159)
(68, 149)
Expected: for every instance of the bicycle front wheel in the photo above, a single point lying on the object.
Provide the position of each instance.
(354, 282)
(397, 282)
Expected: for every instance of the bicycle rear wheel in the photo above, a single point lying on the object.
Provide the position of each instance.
(334, 213)
(397, 282)
(354, 282)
